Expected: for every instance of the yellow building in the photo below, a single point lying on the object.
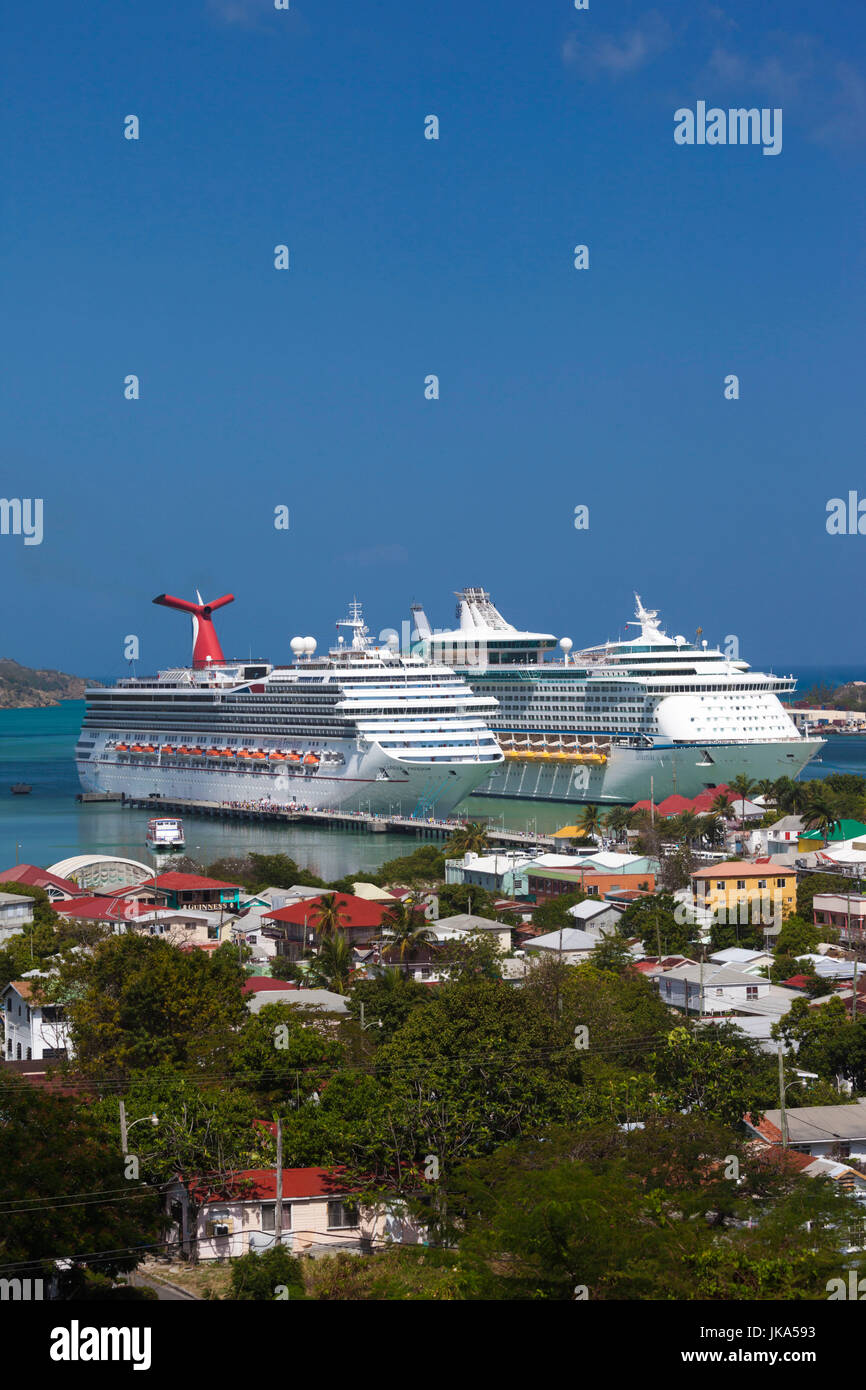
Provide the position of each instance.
(746, 892)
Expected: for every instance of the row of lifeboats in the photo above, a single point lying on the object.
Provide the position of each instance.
(252, 754)
(529, 753)
(574, 751)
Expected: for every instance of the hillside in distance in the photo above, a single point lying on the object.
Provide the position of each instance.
(22, 687)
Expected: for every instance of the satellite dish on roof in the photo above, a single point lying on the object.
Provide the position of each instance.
(310, 645)
(297, 645)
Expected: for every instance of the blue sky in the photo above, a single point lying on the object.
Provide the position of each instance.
(305, 388)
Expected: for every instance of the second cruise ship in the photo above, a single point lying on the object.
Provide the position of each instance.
(362, 728)
(617, 722)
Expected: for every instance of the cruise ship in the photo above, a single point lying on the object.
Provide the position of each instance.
(363, 728)
(620, 722)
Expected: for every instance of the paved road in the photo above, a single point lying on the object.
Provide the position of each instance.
(162, 1291)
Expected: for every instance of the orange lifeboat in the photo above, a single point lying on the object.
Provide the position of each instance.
(122, 747)
(182, 748)
(259, 754)
(293, 758)
(244, 753)
(149, 747)
(312, 760)
(228, 752)
(136, 748)
(166, 748)
(197, 752)
(214, 753)
(277, 757)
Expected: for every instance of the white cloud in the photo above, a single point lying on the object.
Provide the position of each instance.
(617, 56)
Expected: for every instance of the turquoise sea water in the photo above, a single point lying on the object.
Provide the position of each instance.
(37, 746)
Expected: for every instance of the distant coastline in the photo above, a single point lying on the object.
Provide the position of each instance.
(25, 687)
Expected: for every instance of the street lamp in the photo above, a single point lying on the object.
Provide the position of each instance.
(125, 1128)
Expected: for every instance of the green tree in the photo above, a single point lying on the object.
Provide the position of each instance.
(590, 821)
(473, 957)
(425, 865)
(279, 871)
(612, 954)
(742, 785)
(331, 967)
(715, 1069)
(799, 938)
(276, 1055)
(455, 898)
(66, 1192)
(470, 838)
(274, 1274)
(136, 1002)
(407, 933)
(388, 999)
(660, 923)
(821, 813)
(554, 913)
(330, 915)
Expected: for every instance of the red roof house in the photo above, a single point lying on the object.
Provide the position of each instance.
(33, 876)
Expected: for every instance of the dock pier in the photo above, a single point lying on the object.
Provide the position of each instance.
(422, 828)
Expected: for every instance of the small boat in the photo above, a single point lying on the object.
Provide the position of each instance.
(311, 760)
(164, 833)
(21, 788)
(258, 754)
(277, 757)
(244, 753)
(294, 757)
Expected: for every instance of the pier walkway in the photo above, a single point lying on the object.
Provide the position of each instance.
(423, 828)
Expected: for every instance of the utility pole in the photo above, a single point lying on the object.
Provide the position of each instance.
(124, 1145)
(278, 1213)
(783, 1115)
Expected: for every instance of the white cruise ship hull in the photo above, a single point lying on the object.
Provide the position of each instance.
(371, 781)
(630, 774)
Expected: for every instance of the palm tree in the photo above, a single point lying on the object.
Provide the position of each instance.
(722, 806)
(408, 932)
(820, 812)
(470, 838)
(620, 820)
(330, 916)
(332, 967)
(713, 828)
(690, 826)
(742, 785)
(766, 788)
(590, 822)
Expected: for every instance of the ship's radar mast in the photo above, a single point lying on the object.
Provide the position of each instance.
(360, 631)
(647, 619)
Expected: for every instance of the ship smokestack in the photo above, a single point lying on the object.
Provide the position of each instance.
(206, 649)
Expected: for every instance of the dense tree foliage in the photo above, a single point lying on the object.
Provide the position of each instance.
(136, 1002)
(66, 1194)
